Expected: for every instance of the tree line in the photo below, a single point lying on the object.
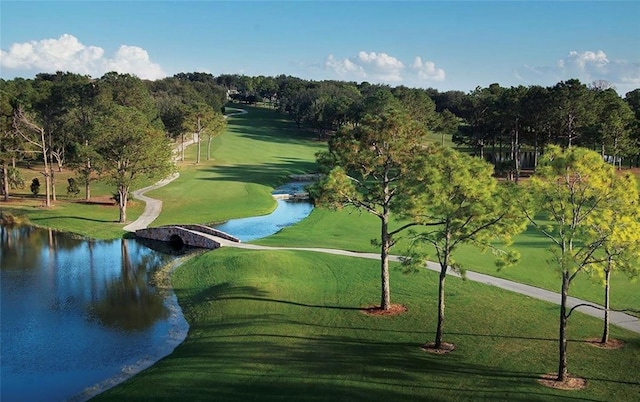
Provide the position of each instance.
(116, 127)
(508, 126)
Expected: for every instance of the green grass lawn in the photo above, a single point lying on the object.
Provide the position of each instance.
(353, 230)
(287, 326)
(70, 214)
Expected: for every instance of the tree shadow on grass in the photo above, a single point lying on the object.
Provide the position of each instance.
(269, 126)
(271, 356)
(266, 174)
(77, 218)
(272, 365)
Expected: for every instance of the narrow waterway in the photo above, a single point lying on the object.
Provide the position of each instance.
(286, 214)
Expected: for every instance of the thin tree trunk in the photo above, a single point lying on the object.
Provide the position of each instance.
(209, 148)
(182, 157)
(516, 155)
(87, 181)
(122, 204)
(198, 156)
(47, 175)
(53, 186)
(47, 186)
(385, 298)
(5, 182)
(562, 345)
(440, 327)
(607, 288)
(199, 132)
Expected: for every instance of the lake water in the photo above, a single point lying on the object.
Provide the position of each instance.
(76, 312)
(78, 316)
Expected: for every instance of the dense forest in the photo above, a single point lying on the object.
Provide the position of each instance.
(75, 121)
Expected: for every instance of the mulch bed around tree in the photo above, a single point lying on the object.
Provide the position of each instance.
(610, 345)
(444, 348)
(570, 383)
(394, 309)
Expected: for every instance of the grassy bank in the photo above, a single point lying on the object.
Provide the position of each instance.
(287, 326)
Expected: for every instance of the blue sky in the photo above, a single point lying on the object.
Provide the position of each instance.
(445, 45)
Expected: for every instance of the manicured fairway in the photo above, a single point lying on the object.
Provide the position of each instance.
(287, 326)
(258, 152)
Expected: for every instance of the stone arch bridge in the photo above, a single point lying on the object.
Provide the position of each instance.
(189, 235)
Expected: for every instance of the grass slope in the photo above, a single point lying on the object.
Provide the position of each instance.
(286, 326)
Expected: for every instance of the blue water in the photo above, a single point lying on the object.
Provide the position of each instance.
(78, 316)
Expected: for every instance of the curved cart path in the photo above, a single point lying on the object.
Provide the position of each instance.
(154, 207)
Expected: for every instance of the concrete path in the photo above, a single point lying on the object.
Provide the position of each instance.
(153, 206)
(152, 209)
(619, 319)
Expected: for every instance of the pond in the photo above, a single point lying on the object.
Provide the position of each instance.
(79, 316)
(76, 312)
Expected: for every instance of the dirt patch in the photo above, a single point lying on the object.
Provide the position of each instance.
(570, 382)
(394, 309)
(442, 350)
(610, 345)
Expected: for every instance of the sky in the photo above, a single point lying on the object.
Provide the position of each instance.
(453, 45)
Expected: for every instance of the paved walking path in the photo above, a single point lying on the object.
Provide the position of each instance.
(619, 319)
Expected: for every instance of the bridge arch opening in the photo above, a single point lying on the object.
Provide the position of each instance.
(176, 242)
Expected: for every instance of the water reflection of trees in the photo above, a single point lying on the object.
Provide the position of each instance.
(20, 245)
(125, 300)
(15, 252)
(130, 303)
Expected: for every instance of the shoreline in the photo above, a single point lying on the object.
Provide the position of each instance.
(178, 331)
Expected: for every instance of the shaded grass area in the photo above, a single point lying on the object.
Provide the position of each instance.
(287, 326)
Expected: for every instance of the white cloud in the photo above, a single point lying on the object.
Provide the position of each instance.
(382, 67)
(133, 59)
(587, 66)
(344, 67)
(427, 70)
(67, 53)
(586, 60)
